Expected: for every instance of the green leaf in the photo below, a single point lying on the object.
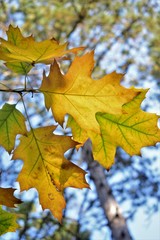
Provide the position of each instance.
(7, 222)
(19, 67)
(12, 122)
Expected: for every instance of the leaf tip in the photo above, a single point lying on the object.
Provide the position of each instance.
(108, 169)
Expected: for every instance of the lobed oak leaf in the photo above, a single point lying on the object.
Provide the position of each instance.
(77, 94)
(46, 169)
(7, 222)
(7, 198)
(21, 53)
(131, 131)
(12, 122)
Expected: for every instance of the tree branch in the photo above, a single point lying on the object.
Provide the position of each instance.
(126, 30)
(116, 221)
(81, 16)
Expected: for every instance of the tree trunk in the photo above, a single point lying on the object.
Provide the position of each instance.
(116, 221)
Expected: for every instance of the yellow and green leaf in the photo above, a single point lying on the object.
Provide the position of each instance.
(132, 130)
(7, 222)
(12, 122)
(77, 94)
(87, 100)
(21, 53)
(46, 169)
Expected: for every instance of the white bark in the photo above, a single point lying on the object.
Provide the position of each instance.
(116, 221)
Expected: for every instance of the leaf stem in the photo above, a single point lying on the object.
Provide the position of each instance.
(20, 90)
(25, 82)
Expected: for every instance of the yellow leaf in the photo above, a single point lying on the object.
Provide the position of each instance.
(18, 49)
(46, 169)
(12, 122)
(132, 130)
(82, 98)
(7, 198)
(77, 94)
(7, 222)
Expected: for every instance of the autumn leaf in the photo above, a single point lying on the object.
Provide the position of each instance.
(12, 122)
(7, 222)
(7, 198)
(87, 100)
(77, 94)
(131, 131)
(46, 169)
(21, 53)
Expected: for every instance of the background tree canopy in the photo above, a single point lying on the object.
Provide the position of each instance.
(125, 37)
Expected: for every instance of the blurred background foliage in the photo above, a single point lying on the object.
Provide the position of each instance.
(125, 37)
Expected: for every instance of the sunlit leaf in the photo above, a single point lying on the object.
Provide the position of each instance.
(21, 53)
(46, 169)
(78, 95)
(131, 131)
(12, 122)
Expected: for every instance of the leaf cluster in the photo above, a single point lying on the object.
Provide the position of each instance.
(101, 110)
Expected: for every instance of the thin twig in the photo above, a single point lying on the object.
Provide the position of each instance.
(20, 90)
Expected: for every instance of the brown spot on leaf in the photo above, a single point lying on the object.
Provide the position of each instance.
(51, 196)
